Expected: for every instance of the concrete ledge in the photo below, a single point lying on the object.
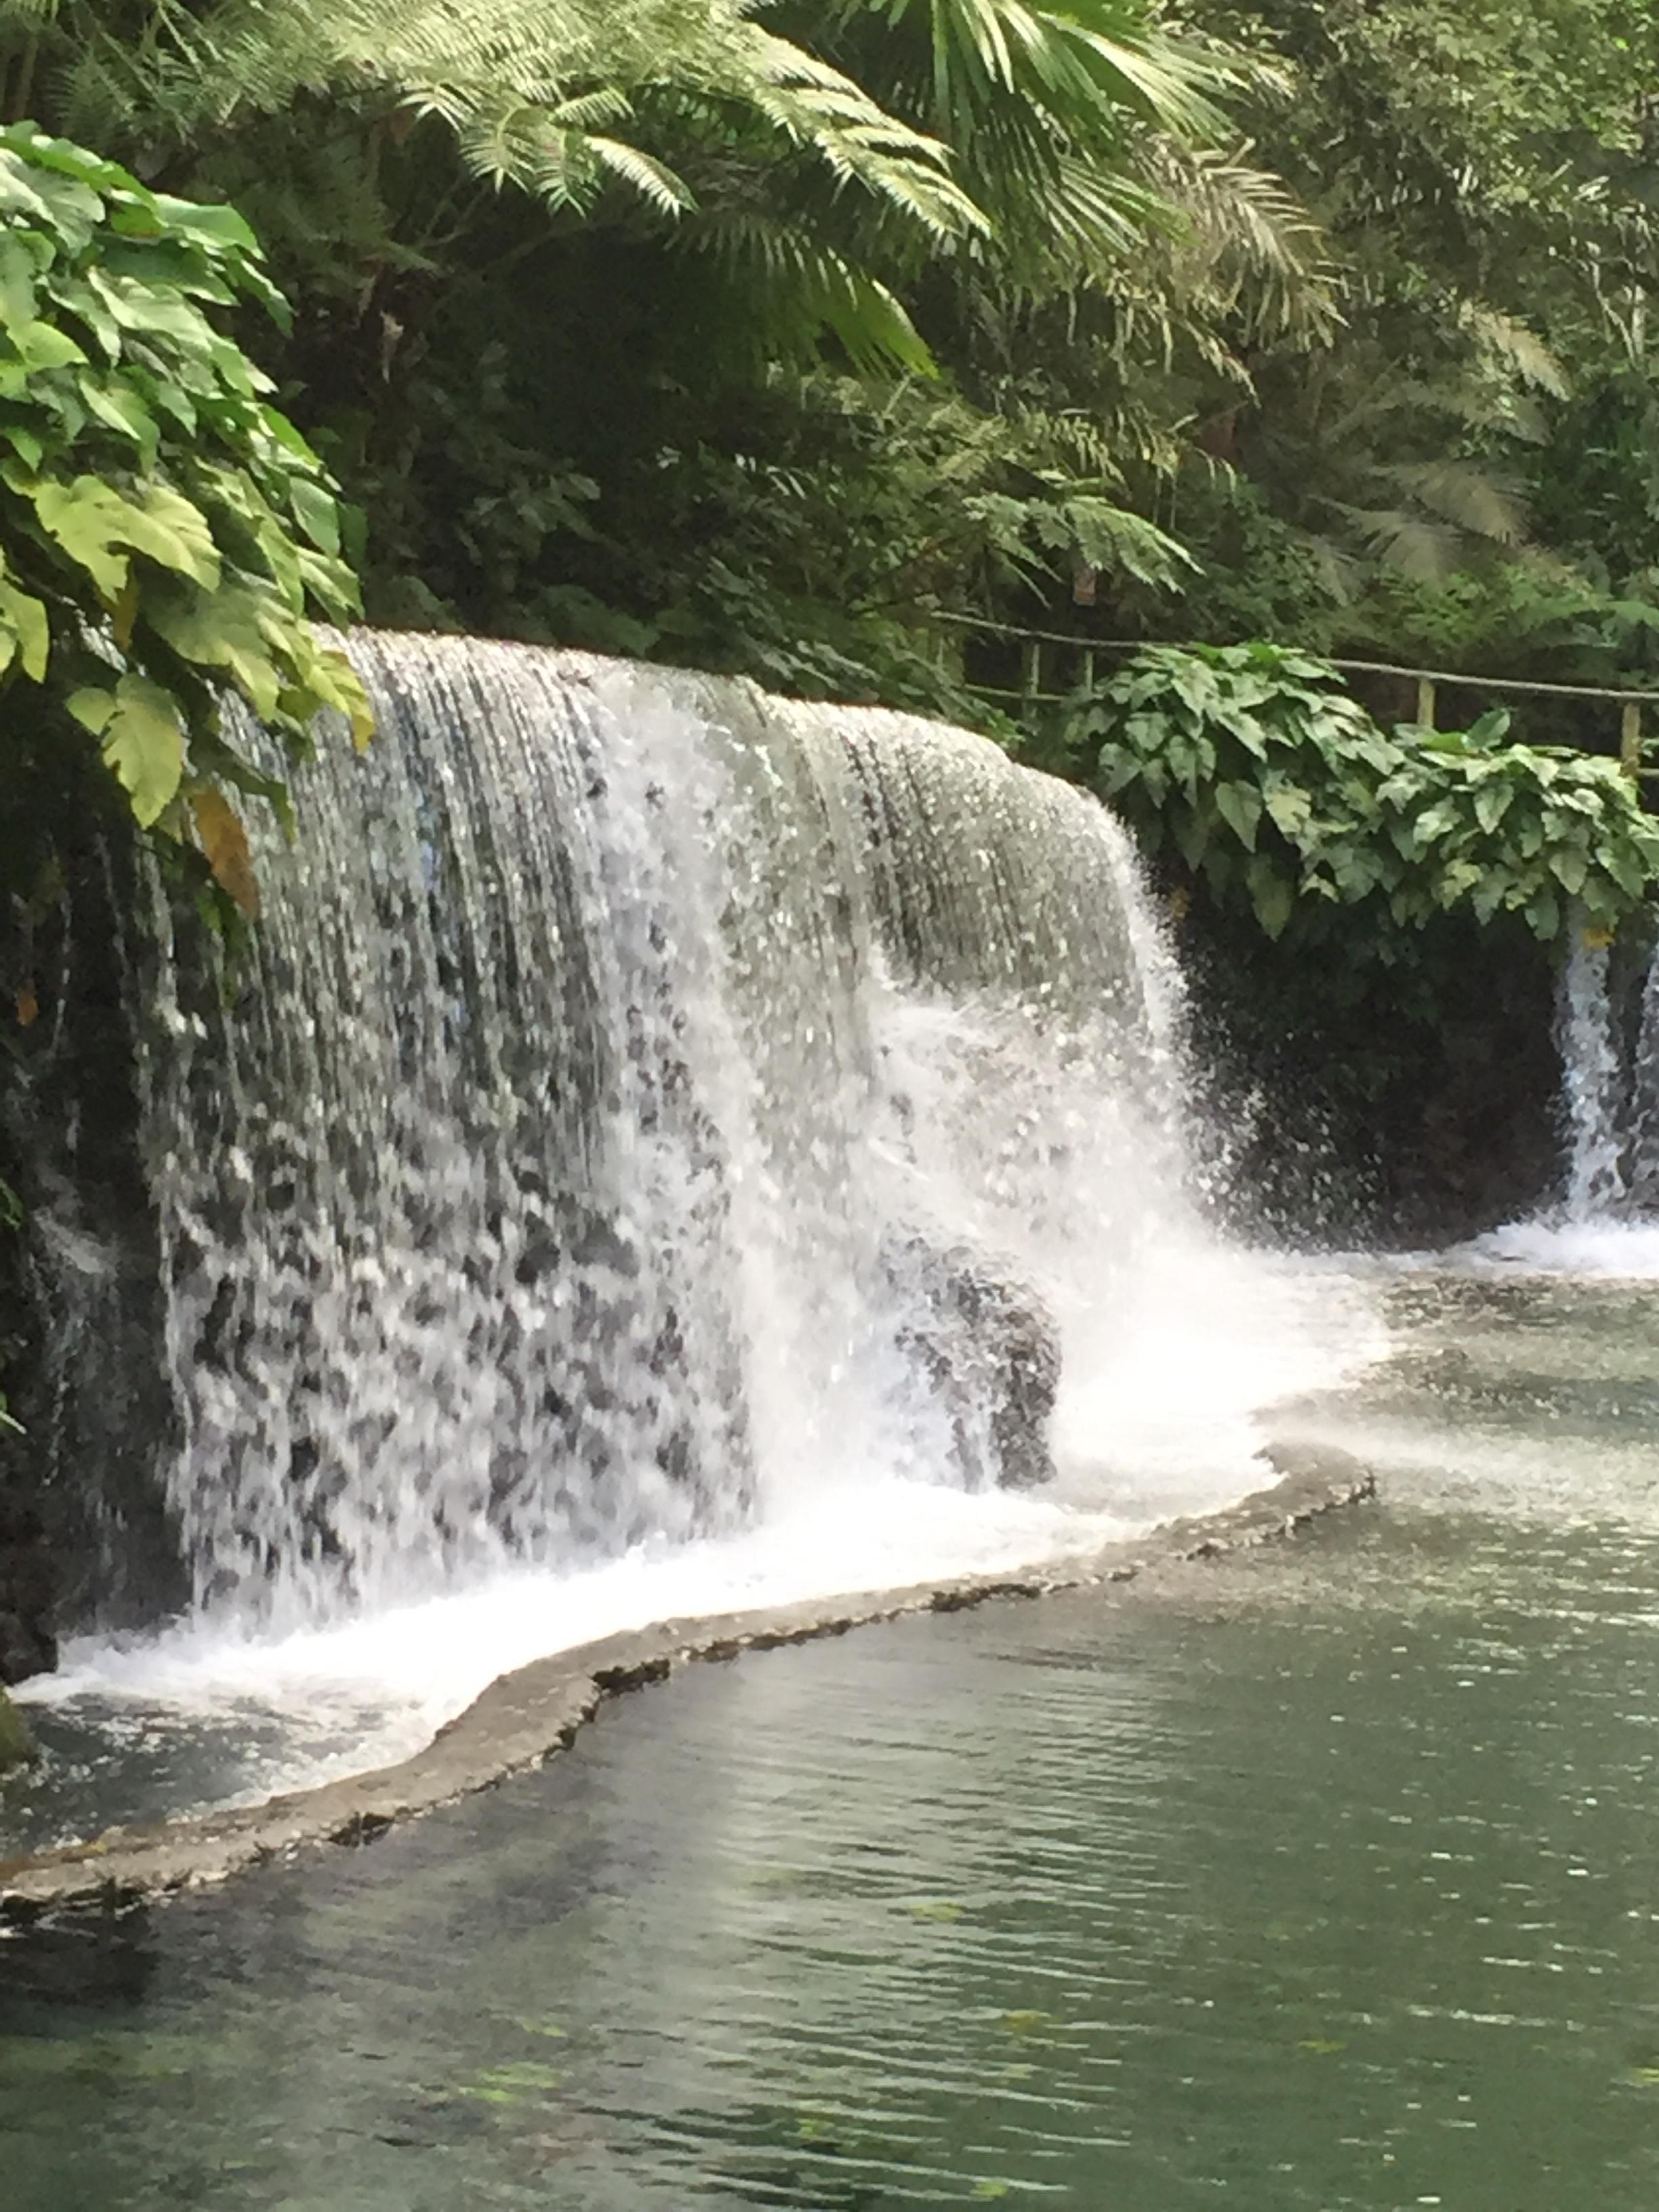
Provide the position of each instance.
(526, 1718)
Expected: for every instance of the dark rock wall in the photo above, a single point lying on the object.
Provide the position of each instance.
(1356, 1102)
(988, 1348)
(84, 1535)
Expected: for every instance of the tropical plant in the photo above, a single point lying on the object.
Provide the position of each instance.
(1251, 767)
(1038, 211)
(165, 531)
(656, 112)
(1485, 180)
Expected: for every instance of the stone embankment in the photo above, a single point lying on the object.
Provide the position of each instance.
(528, 1717)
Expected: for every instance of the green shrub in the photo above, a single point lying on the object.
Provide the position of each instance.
(1253, 765)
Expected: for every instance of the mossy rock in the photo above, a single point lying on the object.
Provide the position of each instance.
(17, 1744)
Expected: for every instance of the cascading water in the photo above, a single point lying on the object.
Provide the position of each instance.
(447, 1221)
(1594, 1085)
(1606, 1219)
(1643, 1172)
(546, 1202)
(634, 1082)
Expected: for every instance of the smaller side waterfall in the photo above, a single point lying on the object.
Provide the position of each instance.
(1595, 1086)
(1605, 1218)
(1643, 1176)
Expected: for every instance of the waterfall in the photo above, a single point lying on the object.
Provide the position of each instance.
(1606, 1216)
(1594, 1086)
(1607, 1031)
(1643, 1172)
(631, 1084)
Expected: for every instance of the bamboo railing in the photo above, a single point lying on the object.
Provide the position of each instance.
(1034, 643)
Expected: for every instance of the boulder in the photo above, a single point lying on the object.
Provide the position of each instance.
(988, 1347)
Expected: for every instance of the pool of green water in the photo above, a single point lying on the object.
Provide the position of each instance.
(1324, 1878)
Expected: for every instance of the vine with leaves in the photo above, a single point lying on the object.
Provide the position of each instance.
(166, 533)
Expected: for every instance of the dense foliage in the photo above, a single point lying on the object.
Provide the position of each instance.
(617, 317)
(164, 529)
(760, 336)
(1465, 470)
(1252, 768)
(756, 335)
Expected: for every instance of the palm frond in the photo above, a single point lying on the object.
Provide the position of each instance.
(1466, 494)
(520, 82)
(1413, 545)
(1250, 242)
(795, 290)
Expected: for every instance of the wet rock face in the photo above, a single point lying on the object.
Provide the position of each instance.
(17, 1744)
(989, 1348)
(29, 1645)
(85, 1538)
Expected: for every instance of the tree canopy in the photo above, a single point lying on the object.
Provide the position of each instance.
(760, 335)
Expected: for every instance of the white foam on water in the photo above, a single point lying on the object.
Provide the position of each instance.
(434, 1656)
(1175, 1423)
(1601, 1250)
(1184, 1392)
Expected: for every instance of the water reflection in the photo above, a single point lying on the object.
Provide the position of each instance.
(1322, 1878)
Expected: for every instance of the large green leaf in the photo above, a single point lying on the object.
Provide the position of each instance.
(1272, 895)
(1491, 804)
(19, 305)
(1239, 806)
(41, 346)
(25, 632)
(317, 513)
(143, 740)
(93, 522)
(221, 629)
(118, 406)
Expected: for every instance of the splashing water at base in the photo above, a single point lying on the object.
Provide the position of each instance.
(1603, 1222)
(1627, 1250)
(554, 1233)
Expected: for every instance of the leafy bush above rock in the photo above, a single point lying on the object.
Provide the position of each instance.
(164, 530)
(1256, 767)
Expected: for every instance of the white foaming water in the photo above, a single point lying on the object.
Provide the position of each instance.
(1171, 1424)
(1609, 1250)
(575, 1224)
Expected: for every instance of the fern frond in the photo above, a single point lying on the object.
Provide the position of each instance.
(1471, 497)
(1413, 545)
(651, 180)
(1514, 348)
(794, 288)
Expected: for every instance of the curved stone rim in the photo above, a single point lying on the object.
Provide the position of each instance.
(526, 1718)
